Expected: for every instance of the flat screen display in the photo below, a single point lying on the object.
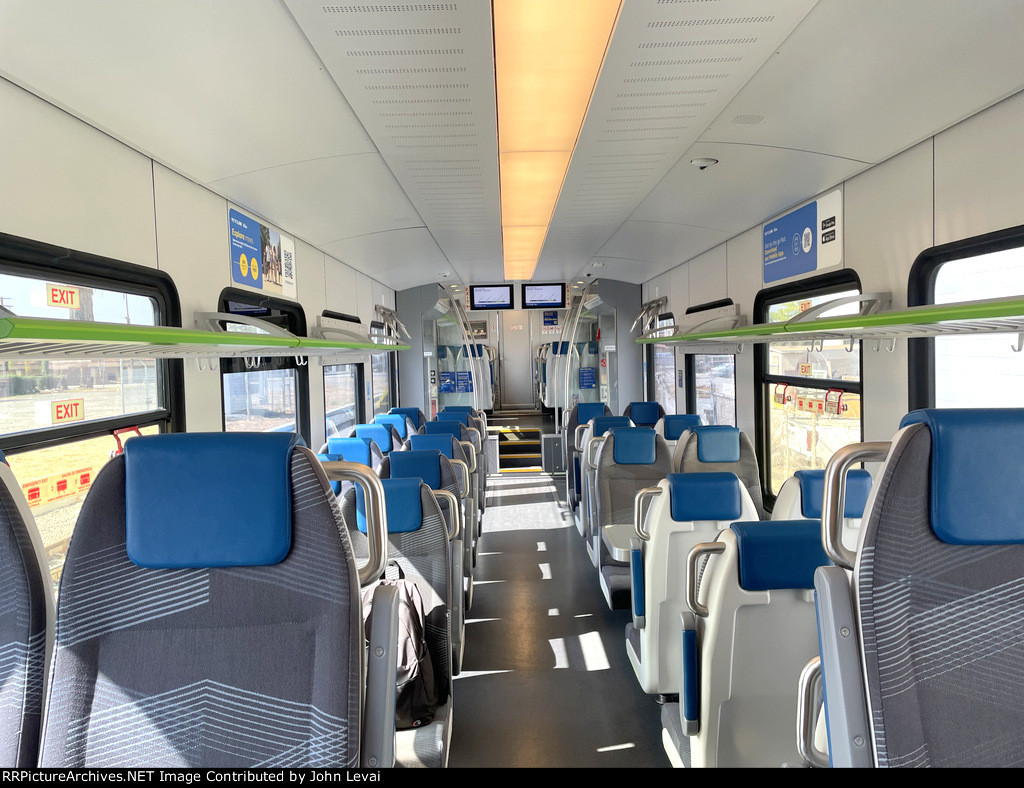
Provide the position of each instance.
(544, 296)
(490, 297)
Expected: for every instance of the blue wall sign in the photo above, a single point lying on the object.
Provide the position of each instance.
(465, 382)
(588, 378)
(804, 240)
(550, 318)
(447, 383)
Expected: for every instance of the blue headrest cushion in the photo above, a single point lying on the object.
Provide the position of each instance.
(634, 446)
(402, 502)
(395, 420)
(704, 496)
(717, 443)
(676, 425)
(3, 459)
(586, 411)
(604, 423)
(413, 414)
(560, 348)
(457, 415)
(976, 494)
(335, 486)
(230, 503)
(645, 414)
(350, 449)
(423, 464)
(779, 554)
(592, 347)
(444, 428)
(457, 409)
(812, 492)
(441, 443)
(378, 433)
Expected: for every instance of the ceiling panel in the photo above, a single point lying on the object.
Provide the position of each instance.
(398, 258)
(640, 250)
(420, 77)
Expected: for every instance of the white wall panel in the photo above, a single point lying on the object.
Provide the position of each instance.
(744, 255)
(312, 294)
(708, 276)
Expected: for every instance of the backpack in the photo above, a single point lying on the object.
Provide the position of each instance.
(416, 689)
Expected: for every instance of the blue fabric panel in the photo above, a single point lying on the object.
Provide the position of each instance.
(560, 348)
(350, 449)
(718, 443)
(677, 425)
(689, 693)
(335, 486)
(230, 503)
(425, 465)
(635, 446)
(604, 423)
(644, 414)
(457, 409)
(396, 420)
(442, 351)
(976, 493)
(454, 415)
(378, 433)
(3, 459)
(413, 414)
(812, 492)
(704, 496)
(444, 428)
(441, 443)
(576, 474)
(779, 554)
(402, 502)
(586, 411)
(637, 576)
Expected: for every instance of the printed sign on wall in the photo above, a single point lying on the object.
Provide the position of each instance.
(261, 257)
(804, 240)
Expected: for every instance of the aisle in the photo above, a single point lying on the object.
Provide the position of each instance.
(546, 681)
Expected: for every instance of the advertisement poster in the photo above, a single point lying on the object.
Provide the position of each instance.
(261, 258)
(804, 240)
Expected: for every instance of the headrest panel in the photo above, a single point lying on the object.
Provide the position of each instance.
(444, 428)
(644, 414)
(378, 433)
(395, 420)
(634, 446)
(604, 423)
(779, 554)
(201, 521)
(441, 443)
(413, 414)
(812, 492)
(976, 495)
(454, 415)
(704, 496)
(676, 425)
(717, 443)
(425, 465)
(350, 449)
(586, 411)
(402, 502)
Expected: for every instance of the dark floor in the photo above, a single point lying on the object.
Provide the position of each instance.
(545, 680)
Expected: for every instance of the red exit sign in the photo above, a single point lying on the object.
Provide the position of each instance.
(63, 296)
(64, 411)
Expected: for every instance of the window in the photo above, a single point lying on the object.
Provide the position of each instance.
(661, 363)
(343, 401)
(711, 379)
(266, 394)
(57, 415)
(381, 382)
(808, 396)
(968, 371)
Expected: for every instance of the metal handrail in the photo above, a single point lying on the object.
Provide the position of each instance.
(463, 470)
(592, 449)
(376, 514)
(806, 718)
(835, 495)
(704, 548)
(470, 451)
(874, 302)
(638, 513)
(580, 429)
(455, 508)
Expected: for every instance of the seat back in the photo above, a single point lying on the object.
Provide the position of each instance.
(596, 429)
(674, 427)
(26, 619)
(719, 448)
(802, 495)
(644, 414)
(186, 622)
(580, 414)
(384, 435)
(361, 450)
(630, 459)
(415, 415)
(395, 420)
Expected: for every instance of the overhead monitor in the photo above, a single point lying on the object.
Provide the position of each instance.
(491, 297)
(544, 296)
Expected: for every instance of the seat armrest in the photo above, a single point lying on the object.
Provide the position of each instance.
(636, 577)
(378, 734)
(689, 679)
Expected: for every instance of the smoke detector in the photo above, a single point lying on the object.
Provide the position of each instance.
(703, 164)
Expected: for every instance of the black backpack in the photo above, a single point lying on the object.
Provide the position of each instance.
(416, 690)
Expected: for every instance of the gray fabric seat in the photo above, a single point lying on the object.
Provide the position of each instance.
(26, 618)
(718, 448)
(208, 665)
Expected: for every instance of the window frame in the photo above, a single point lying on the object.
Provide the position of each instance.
(35, 259)
(822, 284)
(690, 365)
(921, 291)
(649, 370)
(360, 388)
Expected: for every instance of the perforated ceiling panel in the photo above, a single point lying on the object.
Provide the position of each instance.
(670, 70)
(420, 77)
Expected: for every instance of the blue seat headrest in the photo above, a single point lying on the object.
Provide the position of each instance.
(444, 428)
(415, 415)
(634, 446)
(335, 486)
(644, 414)
(779, 554)
(560, 348)
(604, 423)
(3, 459)
(676, 425)
(441, 443)
(704, 496)
(592, 347)
(402, 502)
(378, 433)
(586, 411)
(454, 415)
(230, 503)
(976, 496)
(351, 449)
(717, 443)
(425, 465)
(457, 409)
(395, 420)
(812, 492)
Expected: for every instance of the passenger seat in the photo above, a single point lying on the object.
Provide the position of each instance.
(718, 448)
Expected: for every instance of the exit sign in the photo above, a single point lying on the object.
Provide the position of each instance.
(66, 411)
(60, 295)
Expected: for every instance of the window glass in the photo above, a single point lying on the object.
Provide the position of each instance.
(381, 382)
(979, 371)
(663, 370)
(341, 397)
(260, 401)
(832, 360)
(42, 393)
(715, 388)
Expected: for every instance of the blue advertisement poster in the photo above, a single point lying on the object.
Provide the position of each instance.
(588, 378)
(550, 318)
(260, 256)
(447, 383)
(465, 382)
(790, 244)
